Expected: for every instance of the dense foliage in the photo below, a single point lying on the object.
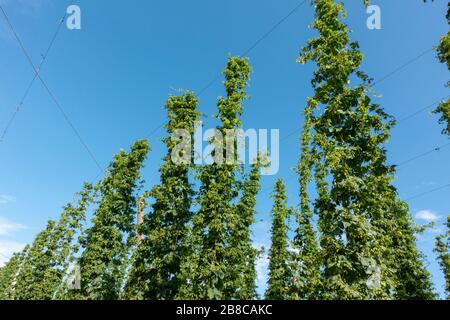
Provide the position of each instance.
(366, 235)
(156, 270)
(107, 242)
(280, 279)
(222, 264)
(444, 56)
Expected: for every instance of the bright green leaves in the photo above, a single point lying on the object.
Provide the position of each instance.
(107, 242)
(444, 110)
(67, 248)
(444, 46)
(222, 264)
(305, 264)
(443, 51)
(37, 268)
(442, 241)
(280, 277)
(42, 268)
(230, 108)
(338, 146)
(156, 271)
(9, 275)
(243, 254)
(364, 230)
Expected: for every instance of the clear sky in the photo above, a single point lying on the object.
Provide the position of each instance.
(113, 76)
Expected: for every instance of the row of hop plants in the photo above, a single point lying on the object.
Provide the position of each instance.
(355, 239)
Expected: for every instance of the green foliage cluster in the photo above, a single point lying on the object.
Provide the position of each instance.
(186, 236)
(9, 275)
(156, 269)
(40, 270)
(366, 237)
(107, 242)
(280, 279)
(442, 242)
(443, 51)
(222, 263)
(444, 57)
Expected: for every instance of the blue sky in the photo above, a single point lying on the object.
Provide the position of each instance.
(113, 76)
